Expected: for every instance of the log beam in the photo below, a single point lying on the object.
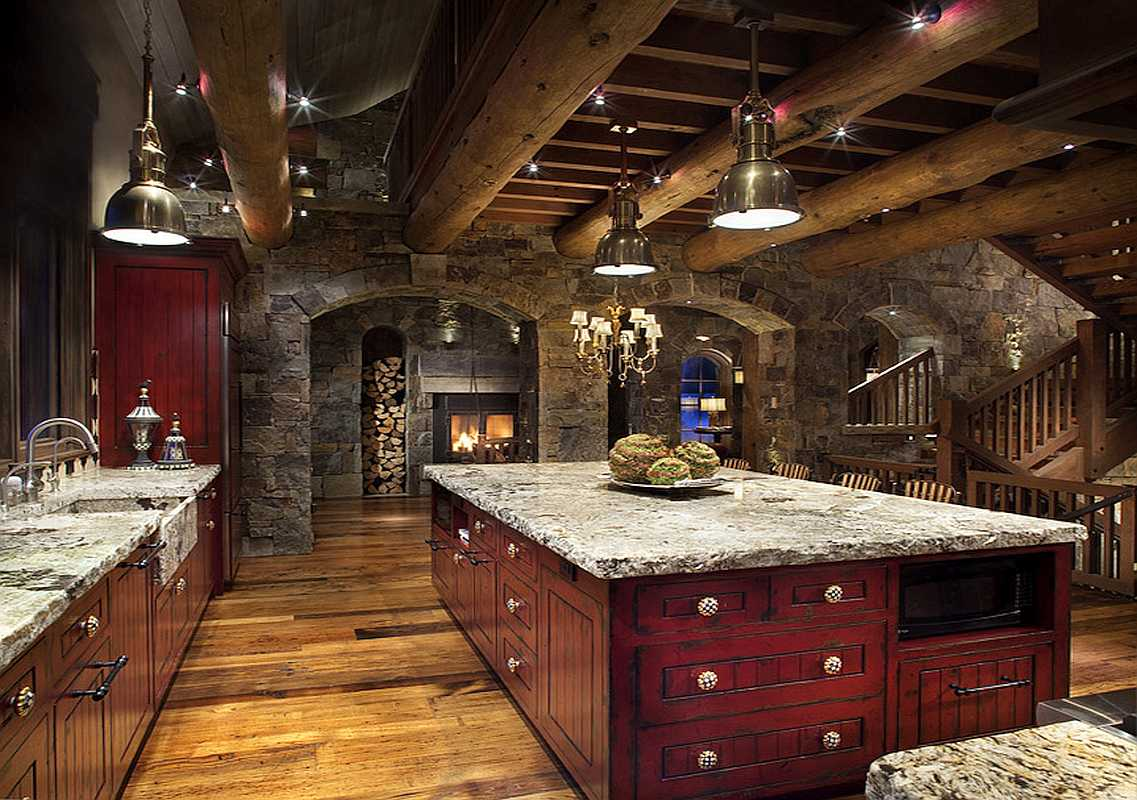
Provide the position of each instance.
(949, 164)
(1105, 185)
(568, 49)
(241, 55)
(876, 66)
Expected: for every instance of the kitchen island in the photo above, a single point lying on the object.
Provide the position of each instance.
(750, 640)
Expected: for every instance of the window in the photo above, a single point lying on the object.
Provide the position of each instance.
(698, 378)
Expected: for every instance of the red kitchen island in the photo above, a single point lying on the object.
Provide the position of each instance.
(751, 643)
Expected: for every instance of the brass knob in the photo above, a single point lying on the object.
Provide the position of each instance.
(707, 680)
(512, 664)
(213, 494)
(457, 558)
(23, 702)
(834, 593)
(180, 586)
(708, 607)
(708, 759)
(830, 740)
(90, 626)
(512, 604)
(210, 524)
(477, 526)
(512, 550)
(832, 665)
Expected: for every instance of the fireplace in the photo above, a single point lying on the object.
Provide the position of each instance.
(475, 429)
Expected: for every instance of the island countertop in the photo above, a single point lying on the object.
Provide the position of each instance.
(614, 533)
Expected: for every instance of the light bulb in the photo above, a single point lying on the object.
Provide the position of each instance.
(840, 131)
(532, 167)
(304, 101)
(208, 161)
(303, 212)
(193, 184)
(226, 208)
(885, 210)
(302, 169)
(1068, 146)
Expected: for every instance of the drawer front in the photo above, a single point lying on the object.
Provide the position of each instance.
(23, 693)
(519, 554)
(85, 623)
(776, 751)
(828, 592)
(728, 676)
(517, 666)
(483, 533)
(1005, 686)
(517, 603)
(701, 605)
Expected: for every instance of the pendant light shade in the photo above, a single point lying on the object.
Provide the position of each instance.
(757, 192)
(624, 251)
(144, 211)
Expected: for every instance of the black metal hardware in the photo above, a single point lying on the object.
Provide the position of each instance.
(144, 563)
(470, 556)
(103, 688)
(436, 544)
(1007, 683)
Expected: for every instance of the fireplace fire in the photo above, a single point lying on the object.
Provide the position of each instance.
(472, 434)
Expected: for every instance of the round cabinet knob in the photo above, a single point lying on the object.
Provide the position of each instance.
(512, 604)
(708, 607)
(23, 702)
(708, 759)
(90, 626)
(212, 494)
(457, 558)
(832, 665)
(707, 680)
(180, 586)
(512, 664)
(830, 740)
(477, 526)
(512, 550)
(834, 593)
(210, 524)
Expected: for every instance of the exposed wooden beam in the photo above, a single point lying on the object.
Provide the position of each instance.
(1107, 184)
(948, 164)
(1085, 243)
(567, 50)
(240, 52)
(1115, 291)
(860, 75)
(1121, 264)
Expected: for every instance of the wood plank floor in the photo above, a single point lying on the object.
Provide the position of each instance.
(339, 676)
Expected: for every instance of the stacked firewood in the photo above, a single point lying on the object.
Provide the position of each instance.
(384, 426)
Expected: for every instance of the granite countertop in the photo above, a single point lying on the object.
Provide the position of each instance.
(51, 554)
(1069, 760)
(616, 533)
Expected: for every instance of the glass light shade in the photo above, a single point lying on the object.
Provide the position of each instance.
(712, 404)
(579, 318)
(145, 213)
(623, 252)
(756, 194)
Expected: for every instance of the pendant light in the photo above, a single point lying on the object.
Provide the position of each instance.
(624, 250)
(144, 211)
(757, 192)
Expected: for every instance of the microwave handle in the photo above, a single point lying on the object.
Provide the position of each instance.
(1005, 683)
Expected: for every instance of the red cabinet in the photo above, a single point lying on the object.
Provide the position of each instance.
(131, 703)
(25, 770)
(82, 743)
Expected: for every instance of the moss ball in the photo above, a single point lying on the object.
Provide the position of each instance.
(632, 456)
(701, 458)
(667, 471)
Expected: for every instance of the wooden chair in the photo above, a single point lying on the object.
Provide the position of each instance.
(799, 472)
(736, 463)
(930, 490)
(859, 480)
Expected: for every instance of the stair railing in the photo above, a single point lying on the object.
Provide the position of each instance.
(904, 395)
(1121, 368)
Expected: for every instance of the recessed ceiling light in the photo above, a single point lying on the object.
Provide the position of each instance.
(304, 101)
(702, 338)
(208, 161)
(193, 184)
(1068, 146)
(1118, 277)
(840, 131)
(532, 167)
(885, 210)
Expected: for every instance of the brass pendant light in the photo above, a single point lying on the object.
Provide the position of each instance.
(624, 251)
(144, 211)
(757, 192)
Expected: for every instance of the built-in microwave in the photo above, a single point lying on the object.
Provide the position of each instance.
(943, 597)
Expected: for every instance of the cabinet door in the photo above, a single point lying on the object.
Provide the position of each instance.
(82, 754)
(26, 773)
(165, 641)
(442, 566)
(483, 628)
(131, 701)
(463, 605)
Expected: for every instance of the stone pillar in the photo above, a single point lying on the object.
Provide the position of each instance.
(573, 409)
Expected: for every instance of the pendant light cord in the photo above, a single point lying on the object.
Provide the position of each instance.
(623, 155)
(755, 67)
(147, 66)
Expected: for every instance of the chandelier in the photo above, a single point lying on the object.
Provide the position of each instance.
(607, 349)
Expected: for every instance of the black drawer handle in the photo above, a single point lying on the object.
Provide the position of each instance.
(103, 688)
(436, 544)
(144, 563)
(1006, 683)
(469, 554)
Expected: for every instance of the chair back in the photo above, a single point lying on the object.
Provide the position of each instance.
(930, 490)
(859, 480)
(799, 472)
(736, 463)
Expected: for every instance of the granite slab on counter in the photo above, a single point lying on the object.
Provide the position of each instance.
(53, 551)
(611, 532)
(1069, 760)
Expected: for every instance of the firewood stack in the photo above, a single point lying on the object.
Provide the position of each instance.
(384, 426)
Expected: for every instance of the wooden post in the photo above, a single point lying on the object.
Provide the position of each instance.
(945, 445)
(1091, 398)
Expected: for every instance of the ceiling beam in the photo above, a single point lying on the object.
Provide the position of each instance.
(954, 162)
(878, 65)
(563, 55)
(1120, 264)
(240, 52)
(1107, 184)
(1092, 242)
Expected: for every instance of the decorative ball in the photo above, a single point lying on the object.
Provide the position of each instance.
(631, 457)
(701, 458)
(667, 471)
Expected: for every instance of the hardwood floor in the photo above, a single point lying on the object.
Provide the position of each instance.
(339, 676)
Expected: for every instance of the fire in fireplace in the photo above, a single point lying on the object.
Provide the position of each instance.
(469, 429)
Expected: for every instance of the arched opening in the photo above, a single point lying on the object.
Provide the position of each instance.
(383, 412)
(706, 401)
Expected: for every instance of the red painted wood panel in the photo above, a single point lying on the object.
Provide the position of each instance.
(673, 605)
(131, 700)
(82, 757)
(801, 594)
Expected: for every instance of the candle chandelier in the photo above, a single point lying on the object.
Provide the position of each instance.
(607, 349)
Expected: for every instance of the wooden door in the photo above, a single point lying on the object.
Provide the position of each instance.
(82, 752)
(131, 702)
(165, 641)
(26, 773)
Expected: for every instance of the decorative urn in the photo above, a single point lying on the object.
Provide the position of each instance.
(142, 420)
(175, 452)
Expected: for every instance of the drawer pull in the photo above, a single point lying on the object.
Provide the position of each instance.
(512, 605)
(212, 494)
(457, 557)
(708, 606)
(473, 559)
(832, 665)
(144, 563)
(103, 688)
(90, 626)
(478, 527)
(180, 586)
(834, 593)
(512, 550)
(512, 664)
(437, 544)
(23, 702)
(707, 680)
(210, 524)
(830, 740)
(1005, 683)
(708, 759)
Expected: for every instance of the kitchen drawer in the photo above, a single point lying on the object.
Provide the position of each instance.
(519, 553)
(765, 752)
(518, 604)
(83, 624)
(517, 666)
(483, 533)
(721, 676)
(704, 605)
(23, 693)
(827, 592)
(936, 706)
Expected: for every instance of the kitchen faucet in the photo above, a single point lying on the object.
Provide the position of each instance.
(28, 489)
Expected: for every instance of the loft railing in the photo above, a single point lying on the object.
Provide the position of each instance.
(1121, 367)
(900, 396)
(890, 473)
(1108, 511)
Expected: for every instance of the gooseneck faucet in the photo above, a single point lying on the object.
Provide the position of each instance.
(29, 489)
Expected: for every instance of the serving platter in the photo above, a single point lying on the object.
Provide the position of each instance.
(679, 486)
